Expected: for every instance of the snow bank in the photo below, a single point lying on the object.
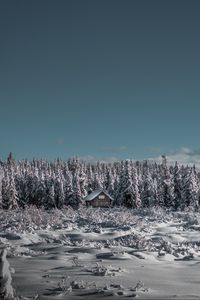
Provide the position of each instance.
(6, 289)
(110, 248)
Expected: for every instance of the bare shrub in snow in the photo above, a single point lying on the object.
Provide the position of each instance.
(67, 286)
(64, 285)
(76, 261)
(31, 219)
(101, 270)
(140, 287)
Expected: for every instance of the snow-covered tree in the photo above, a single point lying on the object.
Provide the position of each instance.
(177, 183)
(69, 190)
(77, 197)
(128, 187)
(188, 195)
(109, 182)
(195, 188)
(9, 192)
(132, 184)
(168, 190)
(96, 185)
(147, 195)
(59, 192)
(12, 193)
(50, 195)
(82, 182)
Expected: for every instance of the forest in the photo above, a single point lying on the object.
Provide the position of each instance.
(132, 184)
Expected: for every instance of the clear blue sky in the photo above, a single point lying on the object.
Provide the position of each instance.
(99, 77)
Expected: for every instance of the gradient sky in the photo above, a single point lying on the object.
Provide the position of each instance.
(100, 78)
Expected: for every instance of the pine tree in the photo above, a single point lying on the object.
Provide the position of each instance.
(119, 197)
(50, 195)
(168, 190)
(77, 198)
(137, 200)
(58, 183)
(109, 182)
(147, 189)
(177, 183)
(165, 185)
(128, 187)
(195, 188)
(82, 182)
(5, 189)
(59, 193)
(69, 193)
(187, 188)
(89, 175)
(9, 192)
(97, 182)
(10, 159)
(12, 193)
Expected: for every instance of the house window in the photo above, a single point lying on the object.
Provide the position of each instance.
(102, 197)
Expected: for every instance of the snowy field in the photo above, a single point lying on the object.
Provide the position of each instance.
(102, 253)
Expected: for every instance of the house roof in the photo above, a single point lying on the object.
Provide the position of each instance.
(95, 194)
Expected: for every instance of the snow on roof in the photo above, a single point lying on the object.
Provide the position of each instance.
(95, 194)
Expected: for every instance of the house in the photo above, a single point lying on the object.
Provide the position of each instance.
(98, 198)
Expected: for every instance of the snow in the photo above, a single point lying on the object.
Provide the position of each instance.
(6, 289)
(95, 253)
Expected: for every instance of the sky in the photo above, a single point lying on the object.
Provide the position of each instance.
(101, 79)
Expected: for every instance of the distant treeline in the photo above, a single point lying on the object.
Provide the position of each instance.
(132, 184)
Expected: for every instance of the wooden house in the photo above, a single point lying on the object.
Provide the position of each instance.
(98, 198)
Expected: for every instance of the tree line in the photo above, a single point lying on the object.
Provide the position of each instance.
(133, 184)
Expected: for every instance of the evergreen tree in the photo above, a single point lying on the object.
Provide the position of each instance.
(10, 159)
(177, 182)
(69, 193)
(13, 195)
(109, 182)
(50, 195)
(137, 200)
(59, 193)
(147, 189)
(195, 188)
(128, 187)
(39, 196)
(165, 185)
(187, 186)
(77, 198)
(9, 192)
(96, 182)
(133, 184)
(168, 189)
(82, 182)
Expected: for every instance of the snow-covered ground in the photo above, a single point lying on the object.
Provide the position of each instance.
(109, 253)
